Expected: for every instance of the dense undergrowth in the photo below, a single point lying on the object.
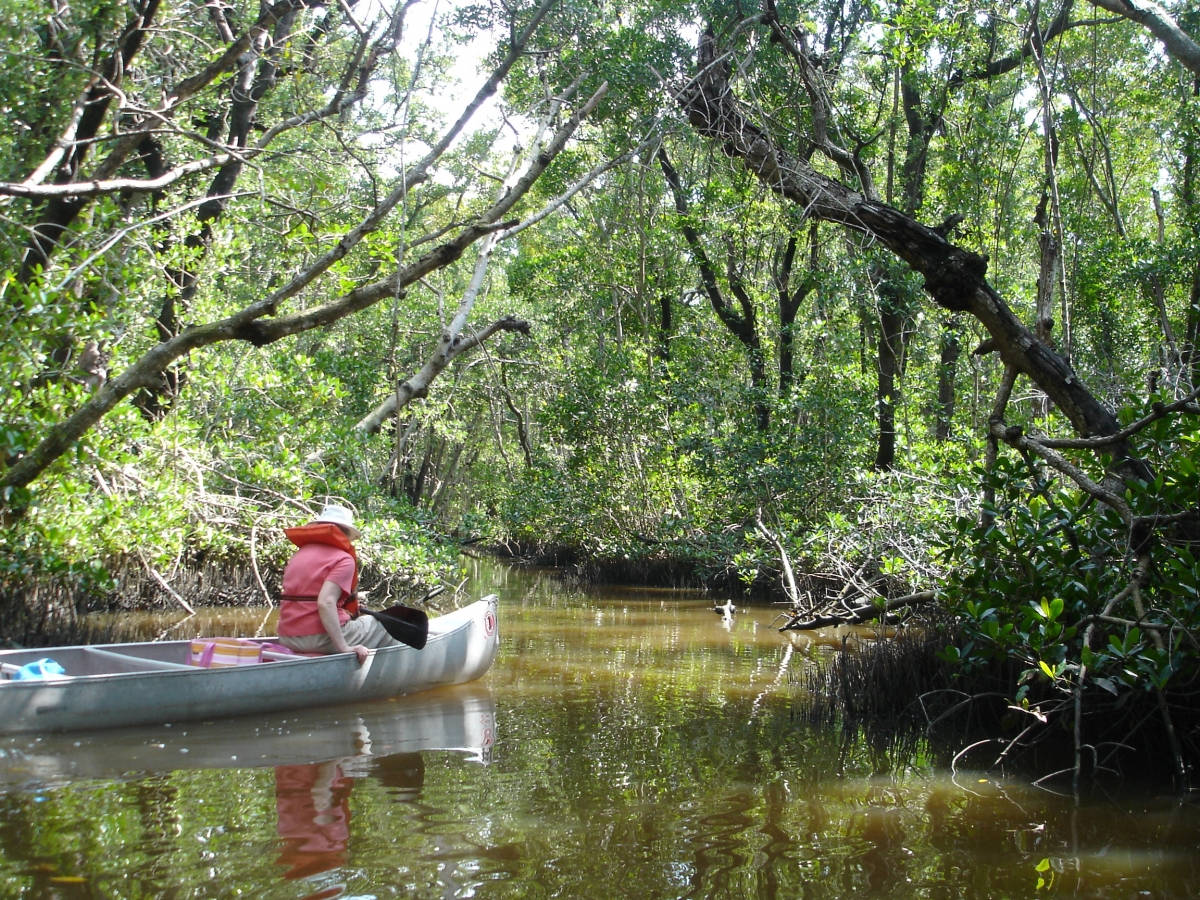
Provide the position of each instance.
(907, 699)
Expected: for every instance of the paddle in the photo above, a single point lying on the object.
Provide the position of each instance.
(407, 625)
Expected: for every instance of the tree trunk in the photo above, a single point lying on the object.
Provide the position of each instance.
(951, 350)
(891, 340)
(953, 277)
(665, 327)
(789, 305)
(742, 322)
(1190, 351)
(61, 212)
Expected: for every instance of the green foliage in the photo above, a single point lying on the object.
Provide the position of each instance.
(1045, 581)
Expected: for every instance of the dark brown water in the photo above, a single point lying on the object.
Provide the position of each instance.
(626, 744)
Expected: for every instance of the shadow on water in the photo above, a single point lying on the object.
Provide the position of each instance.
(626, 743)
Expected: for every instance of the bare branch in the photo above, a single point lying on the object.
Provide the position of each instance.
(1160, 23)
(95, 188)
(245, 324)
(1017, 438)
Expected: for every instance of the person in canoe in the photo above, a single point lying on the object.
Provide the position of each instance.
(318, 609)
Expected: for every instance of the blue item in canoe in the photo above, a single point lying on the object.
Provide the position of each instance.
(39, 670)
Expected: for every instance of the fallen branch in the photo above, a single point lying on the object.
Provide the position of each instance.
(856, 615)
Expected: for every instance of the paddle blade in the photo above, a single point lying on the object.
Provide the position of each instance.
(407, 625)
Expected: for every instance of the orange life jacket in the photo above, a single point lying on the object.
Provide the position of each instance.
(327, 533)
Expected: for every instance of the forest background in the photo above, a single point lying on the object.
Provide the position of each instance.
(870, 307)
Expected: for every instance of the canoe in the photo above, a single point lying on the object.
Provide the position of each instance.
(117, 685)
(458, 719)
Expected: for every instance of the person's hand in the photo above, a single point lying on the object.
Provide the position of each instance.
(360, 652)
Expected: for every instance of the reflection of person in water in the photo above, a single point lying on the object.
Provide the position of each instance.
(312, 801)
(313, 804)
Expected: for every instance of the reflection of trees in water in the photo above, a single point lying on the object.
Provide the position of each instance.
(446, 832)
(721, 850)
(403, 773)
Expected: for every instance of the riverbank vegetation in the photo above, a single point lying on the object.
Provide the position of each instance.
(876, 310)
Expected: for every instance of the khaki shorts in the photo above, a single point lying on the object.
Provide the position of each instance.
(364, 630)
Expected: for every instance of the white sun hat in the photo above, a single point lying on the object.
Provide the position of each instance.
(339, 515)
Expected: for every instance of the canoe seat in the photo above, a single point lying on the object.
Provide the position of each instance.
(110, 661)
(282, 655)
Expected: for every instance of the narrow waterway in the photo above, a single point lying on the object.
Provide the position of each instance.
(626, 744)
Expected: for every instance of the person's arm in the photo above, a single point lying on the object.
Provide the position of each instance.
(327, 601)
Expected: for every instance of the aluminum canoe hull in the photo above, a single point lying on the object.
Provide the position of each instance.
(158, 685)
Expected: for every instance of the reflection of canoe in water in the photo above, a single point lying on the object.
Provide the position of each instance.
(114, 685)
(460, 719)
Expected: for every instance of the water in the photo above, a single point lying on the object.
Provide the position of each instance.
(626, 744)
